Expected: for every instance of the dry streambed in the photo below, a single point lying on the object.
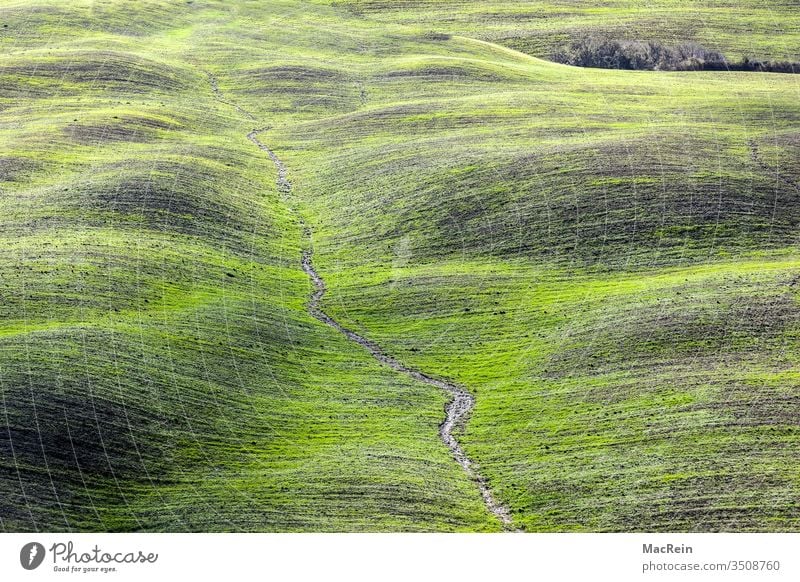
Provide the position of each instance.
(461, 402)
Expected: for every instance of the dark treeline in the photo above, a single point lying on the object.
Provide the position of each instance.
(604, 53)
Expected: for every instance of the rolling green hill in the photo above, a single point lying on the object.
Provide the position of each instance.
(606, 260)
(739, 28)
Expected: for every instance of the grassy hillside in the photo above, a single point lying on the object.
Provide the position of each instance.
(159, 369)
(739, 28)
(606, 259)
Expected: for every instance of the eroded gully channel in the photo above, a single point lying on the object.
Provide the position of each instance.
(461, 401)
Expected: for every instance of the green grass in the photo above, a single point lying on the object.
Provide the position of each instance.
(606, 259)
(736, 27)
(657, 400)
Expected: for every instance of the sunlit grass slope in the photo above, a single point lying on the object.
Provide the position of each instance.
(605, 259)
(767, 29)
(158, 369)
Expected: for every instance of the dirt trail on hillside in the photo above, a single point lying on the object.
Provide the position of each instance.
(456, 411)
(461, 403)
